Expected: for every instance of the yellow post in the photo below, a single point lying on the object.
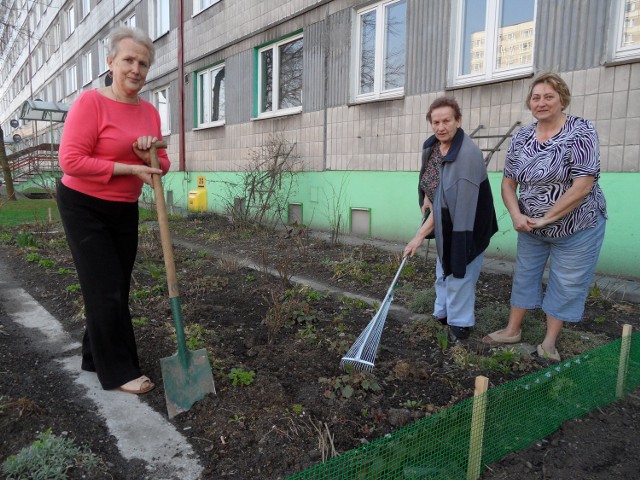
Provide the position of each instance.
(623, 364)
(477, 427)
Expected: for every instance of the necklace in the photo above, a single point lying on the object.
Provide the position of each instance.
(126, 100)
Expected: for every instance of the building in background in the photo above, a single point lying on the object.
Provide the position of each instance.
(347, 84)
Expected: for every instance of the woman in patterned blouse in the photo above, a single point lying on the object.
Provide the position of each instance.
(560, 213)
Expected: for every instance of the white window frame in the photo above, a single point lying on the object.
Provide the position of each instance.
(70, 15)
(202, 5)
(57, 88)
(204, 104)
(103, 51)
(86, 8)
(71, 79)
(165, 112)
(620, 51)
(275, 111)
(87, 70)
(159, 19)
(378, 90)
(492, 26)
(130, 21)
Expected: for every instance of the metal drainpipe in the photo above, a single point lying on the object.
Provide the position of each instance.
(181, 154)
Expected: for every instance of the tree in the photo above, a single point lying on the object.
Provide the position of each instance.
(6, 171)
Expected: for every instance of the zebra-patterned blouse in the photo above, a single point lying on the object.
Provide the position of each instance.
(544, 171)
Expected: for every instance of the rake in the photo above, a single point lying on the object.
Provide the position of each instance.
(362, 354)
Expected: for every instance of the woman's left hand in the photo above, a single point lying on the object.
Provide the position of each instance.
(537, 222)
(142, 147)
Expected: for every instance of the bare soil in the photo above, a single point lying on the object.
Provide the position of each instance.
(299, 407)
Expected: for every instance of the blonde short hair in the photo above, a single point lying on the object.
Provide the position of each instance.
(135, 34)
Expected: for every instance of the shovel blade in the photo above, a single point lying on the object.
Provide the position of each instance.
(186, 382)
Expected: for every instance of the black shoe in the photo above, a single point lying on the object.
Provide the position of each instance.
(460, 333)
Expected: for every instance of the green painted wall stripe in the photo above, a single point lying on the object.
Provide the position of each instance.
(392, 198)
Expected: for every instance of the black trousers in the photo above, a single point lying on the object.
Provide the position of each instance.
(103, 238)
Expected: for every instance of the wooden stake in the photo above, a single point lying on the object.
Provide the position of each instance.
(477, 427)
(623, 364)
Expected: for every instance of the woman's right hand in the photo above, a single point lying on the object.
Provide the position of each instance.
(521, 223)
(413, 246)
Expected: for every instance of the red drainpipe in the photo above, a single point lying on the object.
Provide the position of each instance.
(181, 153)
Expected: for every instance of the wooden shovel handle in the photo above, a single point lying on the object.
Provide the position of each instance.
(163, 223)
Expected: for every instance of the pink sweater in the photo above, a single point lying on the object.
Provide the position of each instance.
(99, 132)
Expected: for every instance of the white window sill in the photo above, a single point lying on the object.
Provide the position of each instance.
(278, 113)
(209, 125)
(377, 98)
(474, 82)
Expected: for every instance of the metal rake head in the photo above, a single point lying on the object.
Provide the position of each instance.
(358, 365)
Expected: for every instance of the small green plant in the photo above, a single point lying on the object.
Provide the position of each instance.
(353, 303)
(312, 295)
(346, 385)
(250, 277)
(309, 332)
(75, 287)
(423, 301)
(239, 376)
(202, 254)
(5, 238)
(599, 320)
(196, 335)
(26, 239)
(46, 263)
(51, 457)
(237, 418)
(140, 321)
(33, 257)
(503, 360)
(442, 337)
(297, 408)
(64, 271)
(412, 404)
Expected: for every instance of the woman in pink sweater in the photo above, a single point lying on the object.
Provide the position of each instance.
(105, 157)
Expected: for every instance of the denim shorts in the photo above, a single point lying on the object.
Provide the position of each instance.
(572, 263)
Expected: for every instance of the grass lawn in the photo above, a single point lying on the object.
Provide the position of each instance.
(25, 210)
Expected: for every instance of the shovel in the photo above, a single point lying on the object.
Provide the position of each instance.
(187, 374)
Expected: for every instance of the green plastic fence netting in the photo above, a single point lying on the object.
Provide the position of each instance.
(517, 414)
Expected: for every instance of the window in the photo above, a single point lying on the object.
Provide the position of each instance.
(86, 8)
(490, 34)
(280, 77)
(159, 17)
(200, 5)
(71, 19)
(57, 89)
(71, 80)
(210, 96)
(87, 74)
(380, 57)
(130, 21)
(103, 51)
(161, 102)
(626, 43)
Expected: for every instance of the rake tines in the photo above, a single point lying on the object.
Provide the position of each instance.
(362, 354)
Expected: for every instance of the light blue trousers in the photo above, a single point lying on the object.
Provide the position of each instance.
(572, 262)
(456, 297)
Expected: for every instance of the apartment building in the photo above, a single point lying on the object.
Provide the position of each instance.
(347, 84)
